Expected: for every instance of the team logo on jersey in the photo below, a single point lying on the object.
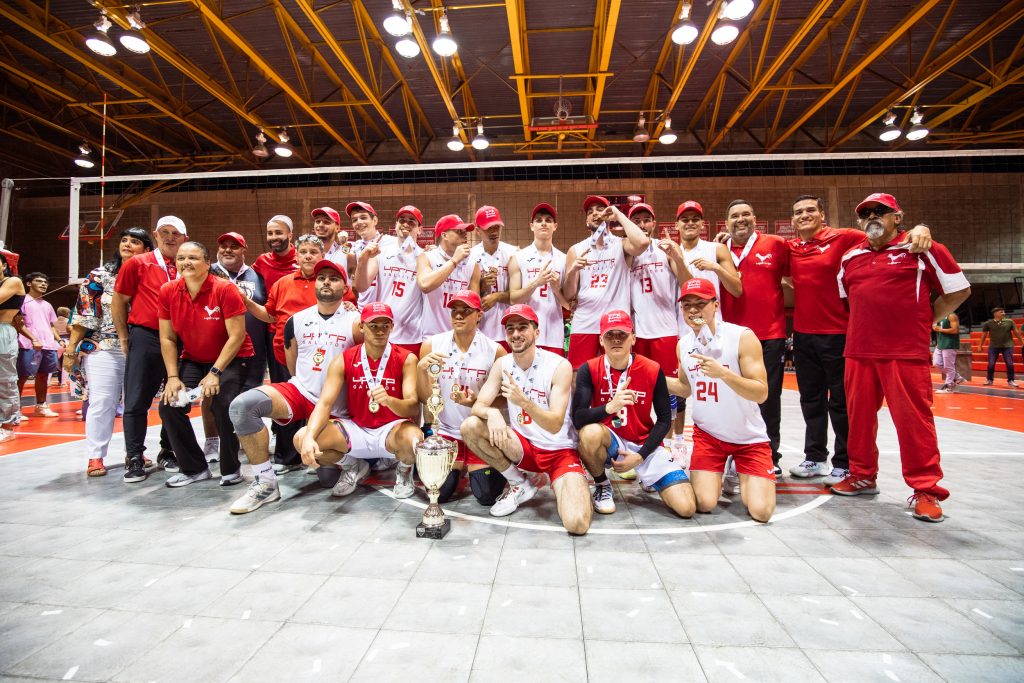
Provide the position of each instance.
(211, 312)
(763, 259)
(318, 359)
(896, 258)
(825, 248)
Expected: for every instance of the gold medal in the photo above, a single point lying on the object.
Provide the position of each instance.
(374, 406)
(520, 419)
(456, 394)
(346, 248)
(435, 401)
(434, 369)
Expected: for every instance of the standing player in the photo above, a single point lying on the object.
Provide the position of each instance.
(492, 256)
(465, 355)
(596, 275)
(536, 384)
(721, 365)
(611, 407)
(442, 272)
(379, 384)
(326, 225)
(364, 223)
(314, 337)
(535, 278)
(707, 260)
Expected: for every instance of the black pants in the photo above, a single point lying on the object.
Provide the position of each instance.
(144, 372)
(993, 356)
(233, 381)
(820, 366)
(284, 448)
(774, 352)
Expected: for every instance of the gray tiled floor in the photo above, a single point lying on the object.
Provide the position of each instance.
(106, 581)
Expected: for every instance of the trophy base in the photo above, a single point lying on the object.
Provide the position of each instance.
(434, 532)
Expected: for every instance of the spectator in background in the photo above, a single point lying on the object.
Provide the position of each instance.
(63, 316)
(38, 358)
(1001, 330)
(12, 293)
(948, 343)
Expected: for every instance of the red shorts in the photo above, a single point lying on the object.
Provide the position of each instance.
(557, 350)
(300, 406)
(583, 347)
(465, 455)
(662, 351)
(553, 463)
(709, 455)
(411, 348)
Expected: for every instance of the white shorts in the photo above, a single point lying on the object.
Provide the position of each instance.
(658, 469)
(364, 443)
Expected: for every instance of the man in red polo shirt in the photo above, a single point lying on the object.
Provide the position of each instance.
(206, 315)
(819, 333)
(762, 261)
(888, 290)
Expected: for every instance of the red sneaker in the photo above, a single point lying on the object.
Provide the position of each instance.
(852, 486)
(926, 507)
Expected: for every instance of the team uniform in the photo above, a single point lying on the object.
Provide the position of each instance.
(603, 286)
(887, 353)
(366, 431)
(709, 252)
(553, 454)
(653, 289)
(724, 423)
(491, 325)
(463, 371)
(542, 300)
(436, 318)
(373, 292)
(396, 285)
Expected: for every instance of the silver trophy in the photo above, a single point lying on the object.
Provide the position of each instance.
(434, 459)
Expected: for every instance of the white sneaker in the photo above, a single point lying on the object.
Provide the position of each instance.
(6, 434)
(43, 410)
(259, 492)
(1012, 383)
(513, 496)
(404, 485)
(182, 479)
(383, 464)
(809, 468)
(351, 474)
(731, 480)
(211, 449)
(231, 479)
(648, 489)
(604, 502)
(837, 475)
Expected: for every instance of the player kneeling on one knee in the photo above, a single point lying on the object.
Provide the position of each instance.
(536, 385)
(611, 407)
(721, 365)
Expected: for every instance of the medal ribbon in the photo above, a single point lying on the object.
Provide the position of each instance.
(365, 362)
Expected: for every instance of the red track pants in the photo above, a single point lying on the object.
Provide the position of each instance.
(906, 385)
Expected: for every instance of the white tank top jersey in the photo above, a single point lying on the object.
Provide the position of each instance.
(709, 252)
(653, 290)
(536, 384)
(717, 409)
(372, 292)
(465, 370)
(604, 284)
(396, 282)
(318, 342)
(542, 300)
(491, 323)
(436, 318)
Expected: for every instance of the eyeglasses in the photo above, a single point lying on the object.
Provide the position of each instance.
(879, 211)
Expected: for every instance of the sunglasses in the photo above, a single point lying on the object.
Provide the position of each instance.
(875, 211)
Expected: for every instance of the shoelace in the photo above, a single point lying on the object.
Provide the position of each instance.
(603, 492)
(926, 497)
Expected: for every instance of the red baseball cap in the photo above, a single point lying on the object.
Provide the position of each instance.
(487, 216)
(520, 311)
(352, 206)
(378, 309)
(233, 236)
(698, 287)
(640, 207)
(468, 297)
(595, 199)
(543, 206)
(690, 205)
(616, 320)
(879, 198)
(412, 211)
(327, 263)
(450, 222)
(327, 211)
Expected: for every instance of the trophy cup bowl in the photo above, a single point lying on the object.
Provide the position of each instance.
(434, 459)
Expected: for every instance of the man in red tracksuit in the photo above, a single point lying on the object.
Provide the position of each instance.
(887, 289)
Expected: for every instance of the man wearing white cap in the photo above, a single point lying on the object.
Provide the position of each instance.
(445, 271)
(138, 285)
(535, 278)
(364, 223)
(492, 255)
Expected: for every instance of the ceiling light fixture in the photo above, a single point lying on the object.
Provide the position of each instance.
(668, 136)
(456, 144)
(738, 9)
(480, 142)
(685, 31)
(641, 134)
(397, 23)
(890, 132)
(407, 47)
(444, 44)
(282, 148)
(260, 151)
(725, 31)
(83, 160)
(98, 41)
(132, 39)
(917, 130)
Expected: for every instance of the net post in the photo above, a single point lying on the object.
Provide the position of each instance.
(73, 224)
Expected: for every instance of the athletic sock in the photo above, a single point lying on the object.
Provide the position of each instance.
(514, 475)
(601, 478)
(265, 472)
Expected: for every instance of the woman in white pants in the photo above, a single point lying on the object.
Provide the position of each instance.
(96, 346)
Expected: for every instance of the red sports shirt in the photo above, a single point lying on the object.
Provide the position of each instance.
(813, 266)
(643, 375)
(141, 278)
(272, 267)
(761, 267)
(356, 386)
(288, 296)
(199, 322)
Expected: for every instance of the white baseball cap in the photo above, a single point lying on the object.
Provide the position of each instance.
(174, 222)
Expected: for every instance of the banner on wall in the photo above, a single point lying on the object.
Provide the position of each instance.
(785, 229)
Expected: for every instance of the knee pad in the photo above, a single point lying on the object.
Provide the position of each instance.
(486, 484)
(447, 489)
(248, 409)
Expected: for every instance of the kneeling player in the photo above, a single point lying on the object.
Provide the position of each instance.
(721, 365)
(536, 383)
(379, 380)
(611, 408)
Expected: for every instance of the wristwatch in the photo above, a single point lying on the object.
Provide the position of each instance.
(215, 371)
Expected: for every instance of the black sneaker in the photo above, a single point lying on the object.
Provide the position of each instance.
(134, 470)
(166, 461)
(778, 472)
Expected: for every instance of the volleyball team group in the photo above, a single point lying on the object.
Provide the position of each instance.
(353, 332)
